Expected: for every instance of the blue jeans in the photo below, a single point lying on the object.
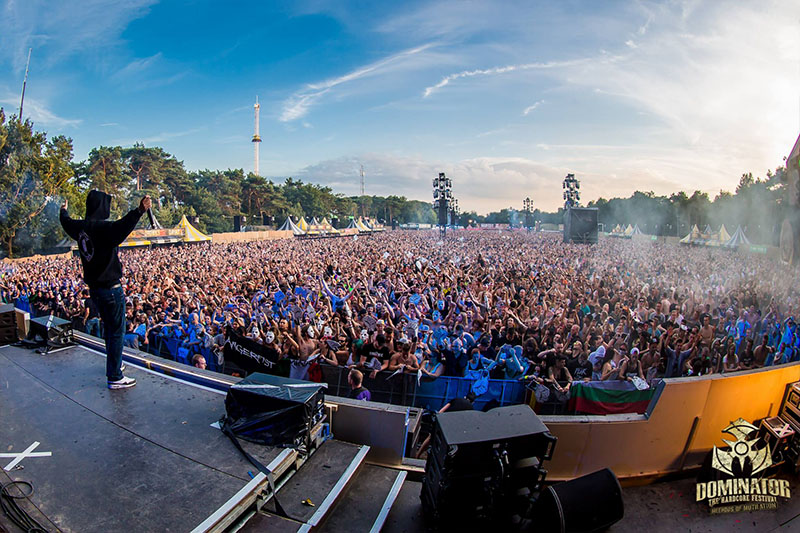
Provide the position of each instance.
(111, 306)
(93, 327)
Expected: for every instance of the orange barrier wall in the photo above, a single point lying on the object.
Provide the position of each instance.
(65, 255)
(641, 445)
(248, 236)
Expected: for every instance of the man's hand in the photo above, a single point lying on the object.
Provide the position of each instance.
(65, 204)
(144, 205)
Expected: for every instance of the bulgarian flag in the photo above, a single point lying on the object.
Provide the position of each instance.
(609, 397)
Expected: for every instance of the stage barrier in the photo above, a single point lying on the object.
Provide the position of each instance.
(683, 422)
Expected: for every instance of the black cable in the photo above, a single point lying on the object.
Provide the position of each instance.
(15, 513)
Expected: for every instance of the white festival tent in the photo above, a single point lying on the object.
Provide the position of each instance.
(737, 238)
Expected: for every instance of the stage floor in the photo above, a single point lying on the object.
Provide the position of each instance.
(139, 459)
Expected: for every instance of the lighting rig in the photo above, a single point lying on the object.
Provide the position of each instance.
(442, 200)
(527, 207)
(572, 193)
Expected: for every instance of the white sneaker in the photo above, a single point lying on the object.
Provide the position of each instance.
(124, 383)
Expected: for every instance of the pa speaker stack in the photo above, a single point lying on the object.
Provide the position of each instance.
(8, 324)
(484, 467)
(580, 225)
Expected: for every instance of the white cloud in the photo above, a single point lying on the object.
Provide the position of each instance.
(723, 83)
(299, 104)
(500, 70)
(481, 184)
(56, 30)
(158, 137)
(147, 73)
(136, 67)
(531, 108)
(38, 111)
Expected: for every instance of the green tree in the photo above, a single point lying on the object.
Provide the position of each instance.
(33, 173)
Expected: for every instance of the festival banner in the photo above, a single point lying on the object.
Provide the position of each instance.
(249, 355)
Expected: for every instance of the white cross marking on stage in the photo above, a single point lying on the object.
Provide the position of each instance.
(18, 457)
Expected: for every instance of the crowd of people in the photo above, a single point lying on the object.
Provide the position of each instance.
(509, 305)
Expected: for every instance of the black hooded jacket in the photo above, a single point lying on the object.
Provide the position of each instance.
(99, 238)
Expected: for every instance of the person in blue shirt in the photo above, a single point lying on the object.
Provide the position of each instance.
(788, 335)
(131, 339)
(742, 329)
(340, 297)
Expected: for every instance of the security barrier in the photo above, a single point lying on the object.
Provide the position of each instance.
(404, 389)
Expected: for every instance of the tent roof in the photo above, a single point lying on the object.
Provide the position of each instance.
(291, 226)
(723, 236)
(738, 238)
(302, 224)
(636, 230)
(692, 236)
(629, 230)
(191, 234)
(327, 226)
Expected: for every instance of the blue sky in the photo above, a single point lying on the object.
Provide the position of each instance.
(506, 97)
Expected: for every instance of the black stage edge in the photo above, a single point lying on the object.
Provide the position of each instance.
(140, 459)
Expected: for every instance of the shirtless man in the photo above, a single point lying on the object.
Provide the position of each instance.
(761, 352)
(707, 332)
(307, 347)
(405, 358)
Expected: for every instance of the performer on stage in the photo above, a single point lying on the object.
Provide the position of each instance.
(98, 239)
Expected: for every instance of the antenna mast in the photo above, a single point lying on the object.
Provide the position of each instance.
(24, 82)
(362, 180)
(256, 137)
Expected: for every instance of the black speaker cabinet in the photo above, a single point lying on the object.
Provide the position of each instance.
(589, 503)
(484, 466)
(52, 330)
(8, 324)
(580, 225)
(239, 221)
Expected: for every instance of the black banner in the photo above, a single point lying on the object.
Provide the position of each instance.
(249, 355)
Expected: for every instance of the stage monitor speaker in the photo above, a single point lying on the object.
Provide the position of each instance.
(53, 331)
(273, 410)
(239, 222)
(589, 503)
(580, 225)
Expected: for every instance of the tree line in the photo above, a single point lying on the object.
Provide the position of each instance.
(37, 173)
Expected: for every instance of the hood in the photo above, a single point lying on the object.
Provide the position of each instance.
(98, 205)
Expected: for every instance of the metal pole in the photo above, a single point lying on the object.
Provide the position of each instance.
(24, 83)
